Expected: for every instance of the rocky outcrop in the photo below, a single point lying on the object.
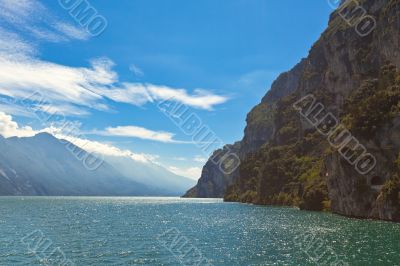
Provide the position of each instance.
(259, 129)
(357, 195)
(355, 76)
(214, 180)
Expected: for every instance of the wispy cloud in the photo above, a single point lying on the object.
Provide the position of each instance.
(71, 90)
(16, 110)
(139, 94)
(137, 132)
(201, 99)
(140, 133)
(12, 45)
(33, 18)
(88, 87)
(71, 31)
(62, 85)
(136, 70)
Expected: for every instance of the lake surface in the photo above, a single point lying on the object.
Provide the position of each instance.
(172, 231)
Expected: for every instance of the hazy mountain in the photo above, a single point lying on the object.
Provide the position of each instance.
(44, 165)
(151, 175)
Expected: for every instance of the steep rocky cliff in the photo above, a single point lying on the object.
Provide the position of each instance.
(354, 74)
(214, 181)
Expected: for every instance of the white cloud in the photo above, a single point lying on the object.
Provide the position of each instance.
(135, 94)
(71, 31)
(10, 128)
(87, 87)
(71, 91)
(201, 99)
(138, 132)
(12, 45)
(19, 11)
(191, 172)
(60, 84)
(69, 88)
(34, 18)
(45, 34)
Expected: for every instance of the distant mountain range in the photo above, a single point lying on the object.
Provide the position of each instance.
(45, 166)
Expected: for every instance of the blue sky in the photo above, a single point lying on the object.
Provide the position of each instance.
(218, 57)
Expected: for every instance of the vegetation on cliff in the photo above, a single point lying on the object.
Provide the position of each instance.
(374, 104)
(286, 161)
(290, 170)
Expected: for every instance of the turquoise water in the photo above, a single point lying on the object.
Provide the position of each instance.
(171, 231)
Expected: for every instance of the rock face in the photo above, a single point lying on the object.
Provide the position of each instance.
(285, 160)
(260, 127)
(369, 196)
(213, 181)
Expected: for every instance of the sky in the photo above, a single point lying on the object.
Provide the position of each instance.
(107, 73)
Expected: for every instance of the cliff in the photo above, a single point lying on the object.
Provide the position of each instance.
(214, 182)
(285, 160)
(259, 129)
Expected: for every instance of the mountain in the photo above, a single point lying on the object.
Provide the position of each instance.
(152, 175)
(213, 181)
(44, 165)
(354, 78)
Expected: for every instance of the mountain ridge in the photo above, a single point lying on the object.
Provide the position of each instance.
(43, 165)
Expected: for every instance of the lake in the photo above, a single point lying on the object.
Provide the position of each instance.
(173, 231)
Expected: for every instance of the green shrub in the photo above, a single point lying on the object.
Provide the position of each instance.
(375, 103)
